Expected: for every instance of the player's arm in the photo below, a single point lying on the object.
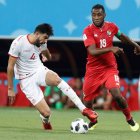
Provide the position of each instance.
(97, 51)
(10, 74)
(14, 53)
(127, 40)
(46, 55)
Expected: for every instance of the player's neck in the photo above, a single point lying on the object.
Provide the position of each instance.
(30, 38)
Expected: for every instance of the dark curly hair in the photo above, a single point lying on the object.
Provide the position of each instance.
(44, 28)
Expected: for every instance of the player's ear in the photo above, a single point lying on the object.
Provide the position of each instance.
(36, 34)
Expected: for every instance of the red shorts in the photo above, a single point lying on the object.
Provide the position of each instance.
(92, 83)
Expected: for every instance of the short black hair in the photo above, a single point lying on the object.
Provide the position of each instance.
(98, 6)
(44, 28)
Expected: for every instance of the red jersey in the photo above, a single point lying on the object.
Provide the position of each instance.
(103, 38)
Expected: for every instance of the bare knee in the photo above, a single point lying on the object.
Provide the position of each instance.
(115, 93)
(119, 98)
(52, 79)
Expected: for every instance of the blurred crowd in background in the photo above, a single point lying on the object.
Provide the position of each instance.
(56, 99)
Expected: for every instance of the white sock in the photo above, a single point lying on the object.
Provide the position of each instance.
(67, 90)
(45, 119)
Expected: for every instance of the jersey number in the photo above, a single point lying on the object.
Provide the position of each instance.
(102, 43)
(33, 56)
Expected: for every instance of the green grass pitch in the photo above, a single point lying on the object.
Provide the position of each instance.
(25, 124)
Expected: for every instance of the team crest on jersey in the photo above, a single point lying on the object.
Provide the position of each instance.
(108, 32)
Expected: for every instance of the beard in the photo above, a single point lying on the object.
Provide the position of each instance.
(99, 25)
(37, 43)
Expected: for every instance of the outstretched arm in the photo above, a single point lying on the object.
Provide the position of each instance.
(127, 40)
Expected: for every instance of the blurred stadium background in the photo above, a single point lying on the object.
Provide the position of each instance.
(68, 19)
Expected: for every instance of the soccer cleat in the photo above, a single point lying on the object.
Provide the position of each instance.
(92, 125)
(134, 126)
(47, 126)
(90, 114)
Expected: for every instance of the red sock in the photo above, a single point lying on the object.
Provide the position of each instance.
(127, 114)
(93, 120)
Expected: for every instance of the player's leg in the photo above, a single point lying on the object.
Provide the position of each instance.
(113, 85)
(33, 92)
(90, 92)
(93, 122)
(120, 100)
(45, 113)
(122, 103)
(53, 79)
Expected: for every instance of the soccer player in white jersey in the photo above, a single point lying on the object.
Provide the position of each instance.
(24, 62)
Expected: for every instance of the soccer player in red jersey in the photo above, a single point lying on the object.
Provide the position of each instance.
(101, 67)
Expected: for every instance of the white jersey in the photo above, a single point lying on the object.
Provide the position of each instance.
(27, 54)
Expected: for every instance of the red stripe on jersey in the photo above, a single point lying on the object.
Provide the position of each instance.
(28, 39)
(19, 38)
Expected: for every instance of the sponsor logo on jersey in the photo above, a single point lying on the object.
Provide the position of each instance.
(95, 35)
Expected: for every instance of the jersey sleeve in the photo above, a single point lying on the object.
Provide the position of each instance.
(115, 27)
(88, 38)
(14, 49)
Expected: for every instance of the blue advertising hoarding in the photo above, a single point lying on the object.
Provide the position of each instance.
(68, 17)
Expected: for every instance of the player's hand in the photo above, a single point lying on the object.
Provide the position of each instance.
(11, 96)
(44, 59)
(117, 51)
(137, 50)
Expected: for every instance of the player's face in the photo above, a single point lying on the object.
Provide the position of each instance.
(98, 17)
(41, 39)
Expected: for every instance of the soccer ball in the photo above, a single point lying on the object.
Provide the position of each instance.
(79, 126)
